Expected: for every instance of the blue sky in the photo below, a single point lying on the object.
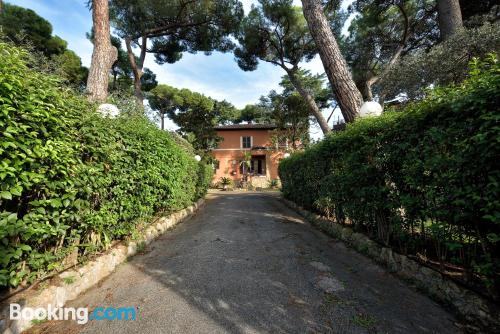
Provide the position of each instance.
(217, 75)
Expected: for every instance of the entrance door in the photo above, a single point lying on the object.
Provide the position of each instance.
(259, 165)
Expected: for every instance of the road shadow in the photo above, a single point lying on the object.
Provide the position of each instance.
(245, 263)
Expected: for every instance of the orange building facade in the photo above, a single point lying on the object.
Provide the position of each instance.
(254, 138)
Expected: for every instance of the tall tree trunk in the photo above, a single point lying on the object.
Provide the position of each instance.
(365, 88)
(344, 88)
(450, 17)
(311, 103)
(104, 54)
(162, 116)
(137, 67)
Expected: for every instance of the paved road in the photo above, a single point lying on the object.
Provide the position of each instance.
(246, 263)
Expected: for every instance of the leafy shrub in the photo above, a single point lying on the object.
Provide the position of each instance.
(273, 184)
(422, 181)
(205, 175)
(72, 181)
(225, 182)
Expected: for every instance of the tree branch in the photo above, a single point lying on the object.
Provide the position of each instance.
(397, 53)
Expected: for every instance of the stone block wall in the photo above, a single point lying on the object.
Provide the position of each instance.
(57, 292)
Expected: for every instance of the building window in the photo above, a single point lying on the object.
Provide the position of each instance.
(246, 142)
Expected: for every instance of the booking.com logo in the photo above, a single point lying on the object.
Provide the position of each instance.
(81, 315)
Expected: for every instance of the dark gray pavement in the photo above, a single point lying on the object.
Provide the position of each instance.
(245, 263)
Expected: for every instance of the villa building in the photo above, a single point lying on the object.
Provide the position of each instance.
(254, 138)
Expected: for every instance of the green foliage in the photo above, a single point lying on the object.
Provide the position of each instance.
(381, 31)
(291, 115)
(39, 160)
(288, 110)
(445, 63)
(478, 11)
(246, 161)
(69, 280)
(257, 113)
(425, 180)
(275, 32)
(273, 184)
(225, 182)
(313, 83)
(226, 112)
(205, 176)
(72, 180)
(177, 26)
(22, 26)
(68, 66)
(121, 71)
(148, 80)
(364, 320)
(194, 113)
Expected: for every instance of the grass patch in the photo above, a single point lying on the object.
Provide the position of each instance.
(38, 321)
(69, 280)
(141, 247)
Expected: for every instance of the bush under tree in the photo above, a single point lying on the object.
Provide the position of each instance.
(73, 181)
(423, 181)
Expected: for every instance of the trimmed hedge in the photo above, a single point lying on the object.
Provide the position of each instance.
(73, 181)
(425, 181)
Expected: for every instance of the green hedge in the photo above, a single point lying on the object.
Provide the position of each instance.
(426, 180)
(72, 180)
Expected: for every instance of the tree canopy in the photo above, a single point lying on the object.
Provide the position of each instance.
(69, 67)
(174, 27)
(194, 113)
(254, 113)
(276, 32)
(444, 64)
(121, 69)
(23, 26)
(383, 32)
(394, 47)
(287, 109)
(290, 114)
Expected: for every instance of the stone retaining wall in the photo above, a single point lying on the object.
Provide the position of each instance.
(81, 278)
(480, 314)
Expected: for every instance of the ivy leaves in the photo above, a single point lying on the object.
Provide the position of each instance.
(424, 180)
(71, 179)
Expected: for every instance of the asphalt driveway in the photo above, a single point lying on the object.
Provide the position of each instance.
(245, 263)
